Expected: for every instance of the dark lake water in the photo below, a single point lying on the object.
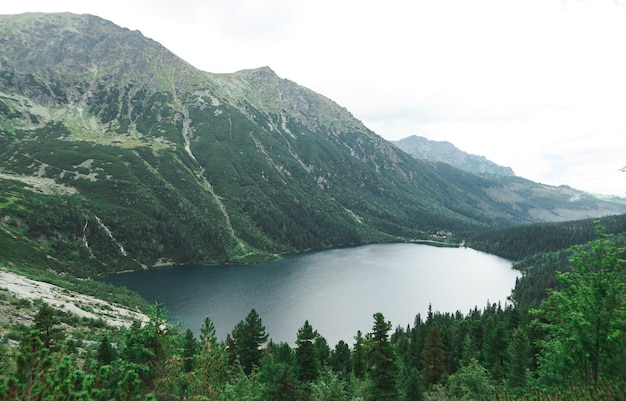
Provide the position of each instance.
(337, 290)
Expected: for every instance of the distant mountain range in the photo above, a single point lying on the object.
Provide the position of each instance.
(116, 154)
(445, 152)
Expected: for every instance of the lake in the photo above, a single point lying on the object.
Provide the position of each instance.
(337, 290)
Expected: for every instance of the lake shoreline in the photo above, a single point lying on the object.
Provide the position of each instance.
(162, 263)
(337, 289)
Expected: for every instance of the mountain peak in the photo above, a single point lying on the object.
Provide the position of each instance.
(286, 100)
(79, 51)
(446, 152)
(262, 71)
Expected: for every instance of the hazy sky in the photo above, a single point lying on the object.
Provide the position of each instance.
(536, 85)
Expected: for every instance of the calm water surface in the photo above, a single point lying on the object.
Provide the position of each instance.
(337, 290)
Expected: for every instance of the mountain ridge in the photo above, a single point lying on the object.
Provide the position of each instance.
(133, 149)
(446, 152)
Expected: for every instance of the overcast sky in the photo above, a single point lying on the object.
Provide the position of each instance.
(536, 85)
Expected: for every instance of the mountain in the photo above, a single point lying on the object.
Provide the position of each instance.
(116, 154)
(442, 151)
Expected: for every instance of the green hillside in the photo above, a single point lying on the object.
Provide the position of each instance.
(115, 154)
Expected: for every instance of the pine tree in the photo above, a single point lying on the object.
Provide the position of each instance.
(359, 355)
(151, 350)
(468, 350)
(416, 343)
(106, 352)
(433, 356)
(323, 350)
(413, 391)
(340, 359)
(384, 370)
(47, 322)
(33, 361)
(329, 387)
(306, 353)
(471, 382)
(190, 348)
(518, 361)
(248, 336)
(278, 372)
(130, 387)
(211, 363)
(231, 350)
(494, 349)
(66, 382)
(245, 388)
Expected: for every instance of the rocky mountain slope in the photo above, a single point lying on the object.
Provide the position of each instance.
(116, 154)
(442, 151)
(81, 305)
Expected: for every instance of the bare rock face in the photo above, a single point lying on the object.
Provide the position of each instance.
(61, 58)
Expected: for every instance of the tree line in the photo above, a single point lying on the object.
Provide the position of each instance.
(573, 346)
(522, 241)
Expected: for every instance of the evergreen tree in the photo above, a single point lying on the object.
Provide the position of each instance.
(416, 343)
(340, 360)
(518, 359)
(468, 350)
(284, 353)
(402, 343)
(471, 382)
(328, 387)
(9, 388)
(248, 336)
(306, 353)
(210, 363)
(323, 350)
(47, 322)
(190, 348)
(359, 356)
(494, 349)
(231, 350)
(33, 361)
(106, 352)
(151, 353)
(384, 371)
(130, 387)
(66, 382)
(278, 373)
(413, 386)
(245, 388)
(433, 356)
(208, 339)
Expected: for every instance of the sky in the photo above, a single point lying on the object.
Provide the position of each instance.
(535, 85)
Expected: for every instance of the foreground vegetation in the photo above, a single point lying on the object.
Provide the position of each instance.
(571, 347)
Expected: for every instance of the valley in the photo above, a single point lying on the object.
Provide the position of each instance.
(116, 156)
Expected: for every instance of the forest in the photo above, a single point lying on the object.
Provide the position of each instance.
(572, 346)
